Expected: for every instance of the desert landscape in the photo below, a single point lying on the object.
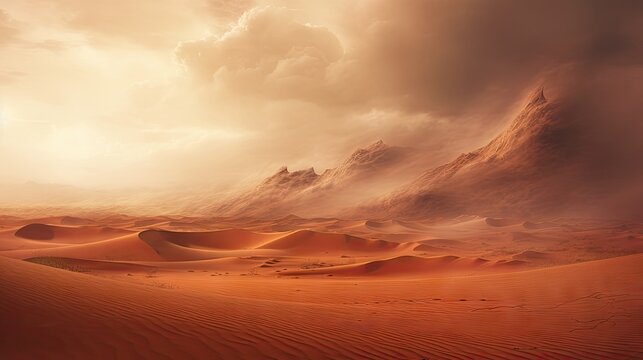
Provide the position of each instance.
(289, 179)
(123, 287)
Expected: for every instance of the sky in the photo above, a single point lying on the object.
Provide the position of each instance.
(177, 94)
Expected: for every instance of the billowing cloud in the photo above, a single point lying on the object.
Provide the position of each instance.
(443, 56)
(267, 54)
(426, 56)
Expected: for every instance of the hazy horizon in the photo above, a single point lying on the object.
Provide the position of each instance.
(171, 94)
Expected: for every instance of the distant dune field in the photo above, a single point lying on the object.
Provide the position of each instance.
(324, 288)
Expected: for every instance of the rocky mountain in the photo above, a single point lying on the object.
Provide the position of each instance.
(363, 162)
(305, 192)
(537, 167)
(548, 162)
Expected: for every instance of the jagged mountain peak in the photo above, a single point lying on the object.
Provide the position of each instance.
(538, 97)
(376, 154)
(286, 191)
(528, 169)
(532, 125)
(365, 152)
(287, 179)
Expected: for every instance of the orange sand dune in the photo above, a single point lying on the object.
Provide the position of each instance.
(68, 234)
(398, 290)
(429, 248)
(312, 242)
(9, 241)
(399, 237)
(402, 265)
(590, 311)
(177, 246)
(534, 256)
(72, 220)
(344, 224)
(444, 242)
(390, 226)
(55, 220)
(128, 247)
(230, 265)
(81, 265)
(233, 239)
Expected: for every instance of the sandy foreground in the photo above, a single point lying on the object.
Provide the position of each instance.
(184, 288)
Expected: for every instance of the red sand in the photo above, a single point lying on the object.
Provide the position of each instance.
(321, 289)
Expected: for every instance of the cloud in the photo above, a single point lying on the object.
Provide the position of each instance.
(437, 57)
(443, 56)
(267, 54)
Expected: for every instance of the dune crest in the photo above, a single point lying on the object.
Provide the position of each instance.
(36, 232)
(404, 265)
(312, 242)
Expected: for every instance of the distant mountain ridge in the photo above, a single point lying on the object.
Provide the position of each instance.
(534, 168)
(548, 162)
(287, 192)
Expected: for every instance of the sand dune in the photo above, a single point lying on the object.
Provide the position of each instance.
(128, 247)
(81, 265)
(401, 265)
(396, 227)
(493, 316)
(321, 288)
(224, 265)
(68, 234)
(510, 264)
(9, 241)
(428, 248)
(172, 246)
(443, 242)
(233, 239)
(532, 255)
(72, 220)
(36, 232)
(312, 242)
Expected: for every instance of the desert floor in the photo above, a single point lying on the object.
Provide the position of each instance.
(118, 287)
